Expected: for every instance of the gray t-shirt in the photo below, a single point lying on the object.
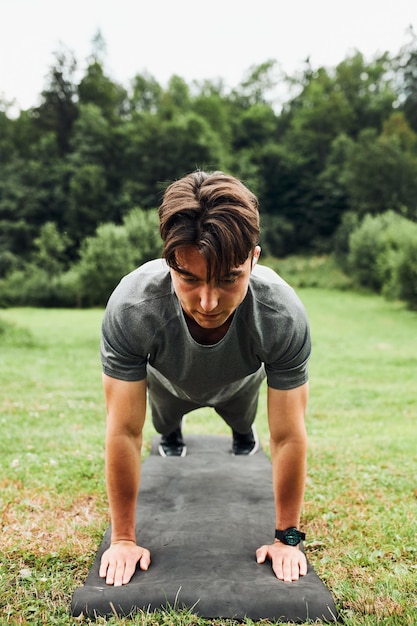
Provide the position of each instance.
(144, 324)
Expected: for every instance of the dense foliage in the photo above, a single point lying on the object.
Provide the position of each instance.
(84, 169)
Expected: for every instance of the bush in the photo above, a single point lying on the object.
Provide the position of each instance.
(142, 228)
(9, 262)
(316, 271)
(340, 239)
(104, 259)
(115, 251)
(382, 256)
(366, 249)
(403, 279)
(33, 286)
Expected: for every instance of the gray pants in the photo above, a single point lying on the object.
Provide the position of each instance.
(238, 411)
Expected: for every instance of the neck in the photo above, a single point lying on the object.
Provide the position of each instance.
(207, 336)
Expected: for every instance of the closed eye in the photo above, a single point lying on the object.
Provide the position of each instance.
(188, 279)
(228, 281)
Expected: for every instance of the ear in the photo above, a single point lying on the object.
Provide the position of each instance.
(256, 255)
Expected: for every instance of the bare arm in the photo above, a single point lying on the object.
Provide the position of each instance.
(288, 442)
(126, 411)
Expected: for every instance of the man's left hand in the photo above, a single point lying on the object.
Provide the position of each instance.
(288, 562)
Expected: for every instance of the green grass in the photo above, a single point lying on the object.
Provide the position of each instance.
(361, 498)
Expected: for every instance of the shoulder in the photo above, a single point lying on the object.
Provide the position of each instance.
(263, 273)
(271, 290)
(278, 323)
(148, 282)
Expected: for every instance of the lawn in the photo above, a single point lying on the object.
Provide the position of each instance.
(361, 499)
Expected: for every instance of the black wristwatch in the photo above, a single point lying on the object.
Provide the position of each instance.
(291, 536)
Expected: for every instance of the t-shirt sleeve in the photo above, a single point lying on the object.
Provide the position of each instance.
(289, 368)
(123, 356)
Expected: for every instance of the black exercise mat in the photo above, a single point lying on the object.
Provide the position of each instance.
(203, 517)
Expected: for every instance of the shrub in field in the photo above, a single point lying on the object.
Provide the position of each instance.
(382, 256)
(316, 271)
(340, 239)
(402, 282)
(366, 250)
(142, 228)
(113, 252)
(34, 286)
(50, 249)
(37, 282)
(104, 259)
(8, 262)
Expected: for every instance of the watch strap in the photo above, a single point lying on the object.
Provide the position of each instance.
(282, 535)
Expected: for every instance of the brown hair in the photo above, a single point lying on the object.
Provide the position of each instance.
(214, 212)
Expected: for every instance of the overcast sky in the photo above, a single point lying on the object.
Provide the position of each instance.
(195, 40)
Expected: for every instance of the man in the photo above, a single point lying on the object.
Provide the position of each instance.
(203, 327)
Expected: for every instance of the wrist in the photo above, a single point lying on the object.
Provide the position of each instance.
(290, 536)
(122, 540)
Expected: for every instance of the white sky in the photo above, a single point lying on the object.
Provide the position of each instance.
(190, 38)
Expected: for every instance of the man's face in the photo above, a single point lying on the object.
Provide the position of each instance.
(209, 304)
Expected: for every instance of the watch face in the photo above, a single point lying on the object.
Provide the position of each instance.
(292, 537)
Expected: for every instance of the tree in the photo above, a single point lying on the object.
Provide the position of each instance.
(32, 192)
(97, 89)
(354, 96)
(368, 88)
(343, 144)
(96, 169)
(259, 83)
(255, 127)
(58, 109)
(146, 95)
(6, 133)
(87, 201)
(381, 175)
(160, 150)
(210, 104)
(176, 99)
(406, 71)
(283, 191)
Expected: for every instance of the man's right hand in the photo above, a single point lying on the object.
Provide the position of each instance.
(118, 563)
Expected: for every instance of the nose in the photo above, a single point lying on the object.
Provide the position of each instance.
(209, 298)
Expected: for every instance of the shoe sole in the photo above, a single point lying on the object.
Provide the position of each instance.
(178, 456)
(255, 447)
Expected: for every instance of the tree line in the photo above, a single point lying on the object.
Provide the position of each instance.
(81, 174)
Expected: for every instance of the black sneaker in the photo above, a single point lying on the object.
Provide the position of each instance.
(245, 445)
(172, 444)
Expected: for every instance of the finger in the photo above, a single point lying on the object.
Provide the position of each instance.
(119, 574)
(128, 571)
(130, 566)
(295, 570)
(287, 572)
(261, 554)
(103, 567)
(291, 568)
(303, 565)
(277, 566)
(110, 574)
(145, 560)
